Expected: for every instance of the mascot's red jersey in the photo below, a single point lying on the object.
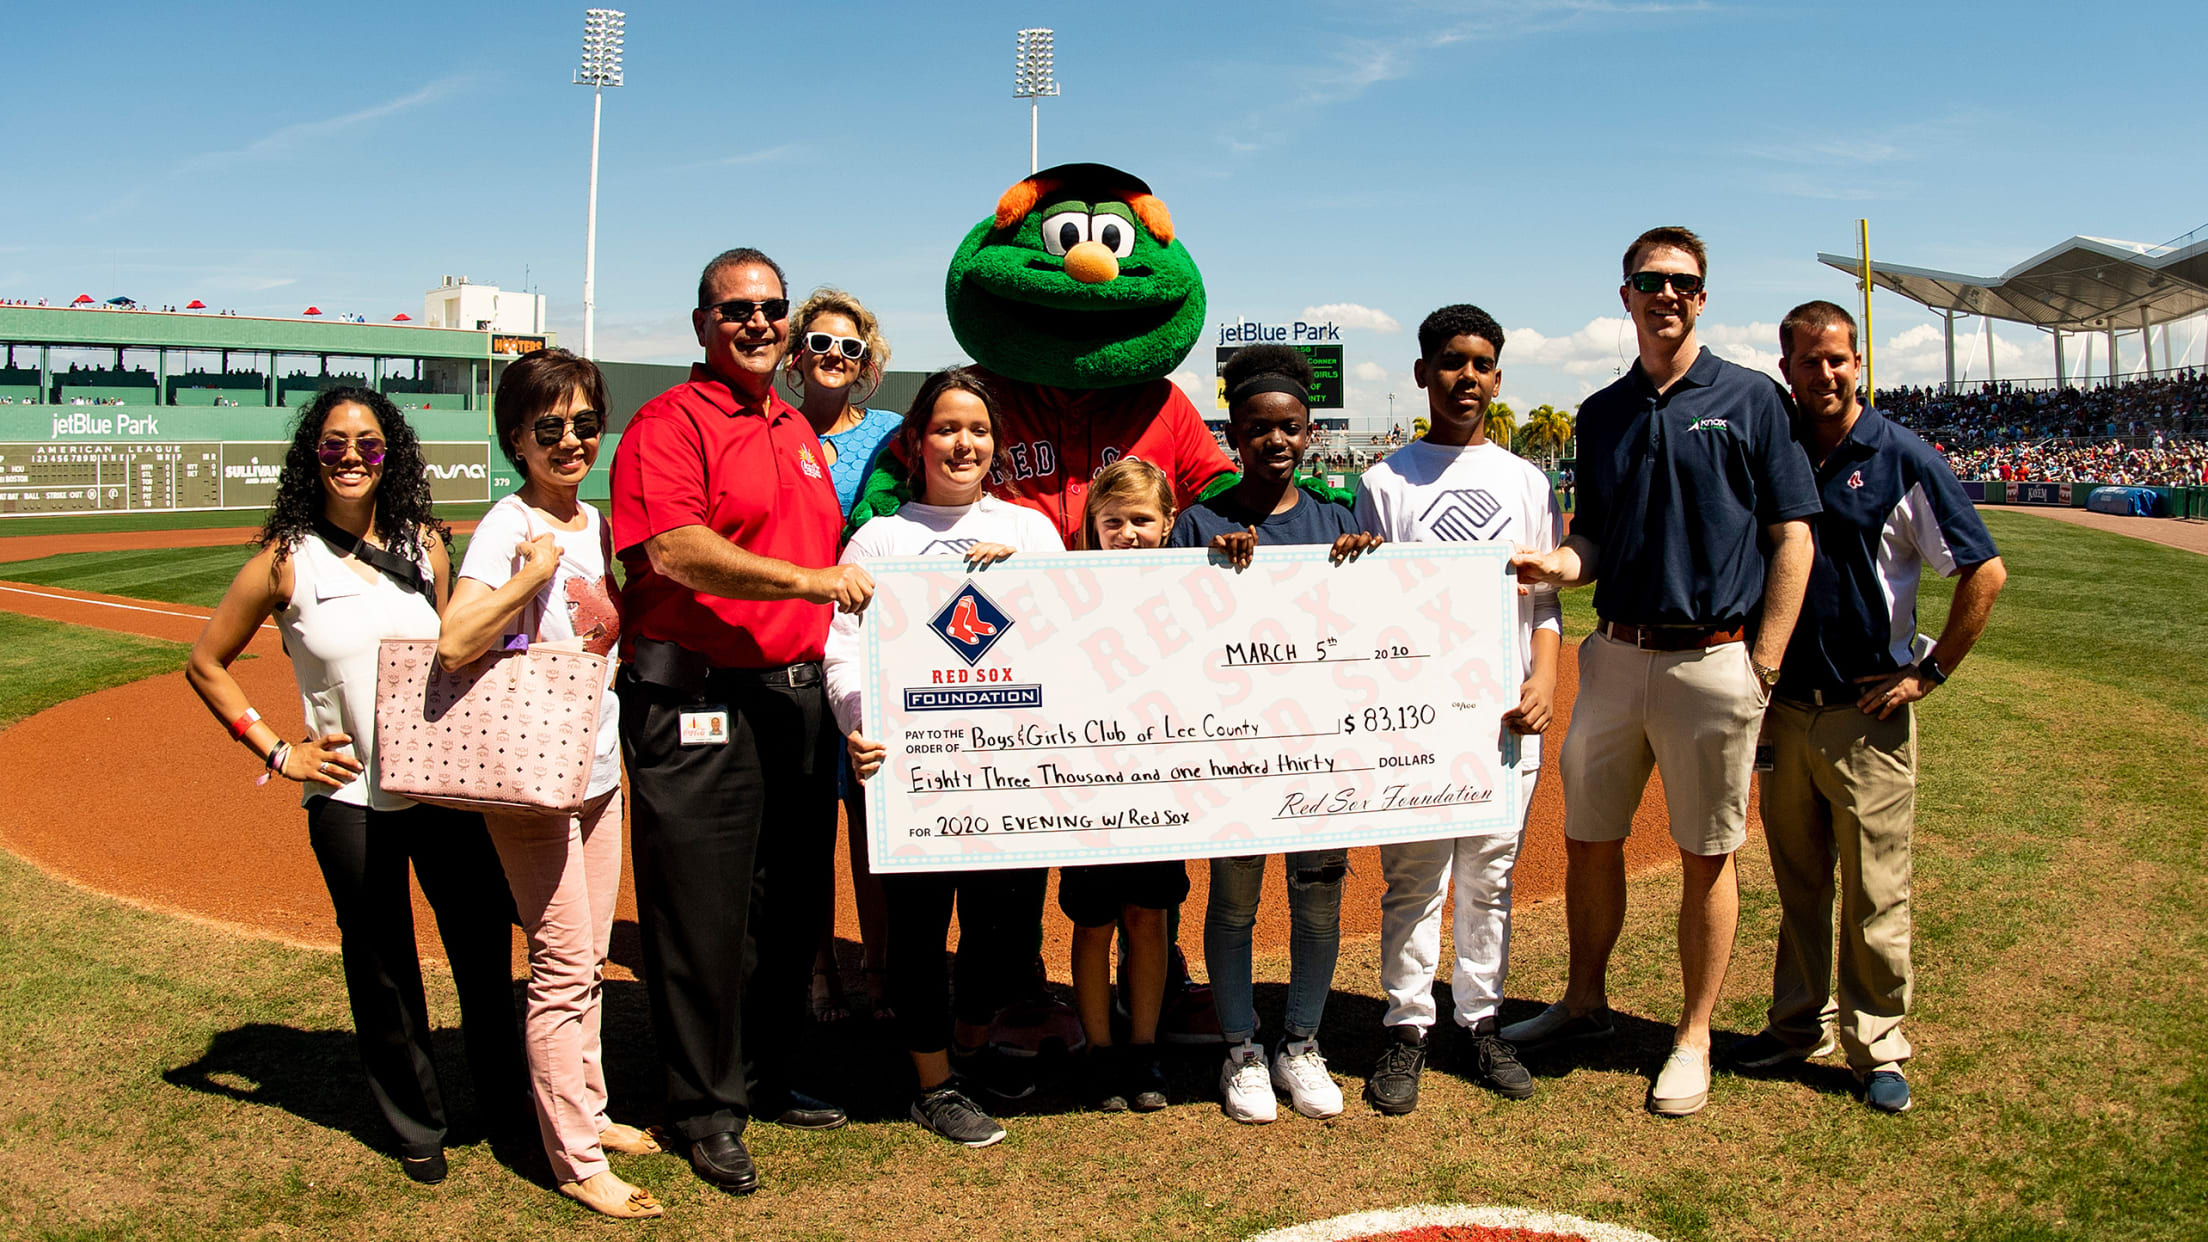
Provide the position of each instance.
(1052, 441)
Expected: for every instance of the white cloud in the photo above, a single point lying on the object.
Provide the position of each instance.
(1604, 348)
(1754, 345)
(293, 137)
(1352, 316)
(1370, 372)
(1202, 391)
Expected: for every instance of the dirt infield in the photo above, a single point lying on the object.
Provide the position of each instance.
(191, 834)
(2190, 536)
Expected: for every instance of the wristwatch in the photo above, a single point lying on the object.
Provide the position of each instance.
(1764, 673)
(1929, 671)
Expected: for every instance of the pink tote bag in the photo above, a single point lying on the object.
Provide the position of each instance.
(513, 731)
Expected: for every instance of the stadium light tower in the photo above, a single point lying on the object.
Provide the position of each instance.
(1032, 54)
(601, 68)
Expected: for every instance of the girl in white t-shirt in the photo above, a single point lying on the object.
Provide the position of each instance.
(539, 565)
(949, 435)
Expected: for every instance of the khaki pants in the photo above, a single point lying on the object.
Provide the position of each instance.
(1690, 714)
(1843, 789)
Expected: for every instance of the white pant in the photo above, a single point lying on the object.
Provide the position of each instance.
(1417, 875)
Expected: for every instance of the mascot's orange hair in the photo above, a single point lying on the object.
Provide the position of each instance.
(1024, 195)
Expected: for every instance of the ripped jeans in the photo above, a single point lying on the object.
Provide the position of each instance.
(1314, 938)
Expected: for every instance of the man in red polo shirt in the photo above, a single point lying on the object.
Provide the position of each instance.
(726, 525)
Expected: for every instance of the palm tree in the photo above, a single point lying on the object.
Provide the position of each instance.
(1502, 423)
(1548, 428)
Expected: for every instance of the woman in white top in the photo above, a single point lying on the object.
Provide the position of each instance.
(539, 565)
(350, 555)
(950, 437)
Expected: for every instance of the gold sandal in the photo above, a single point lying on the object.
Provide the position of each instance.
(628, 1140)
(638, 1205)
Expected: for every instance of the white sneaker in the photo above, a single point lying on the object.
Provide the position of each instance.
(1299, 1070)
(1683, 1085)
(1247, 1096)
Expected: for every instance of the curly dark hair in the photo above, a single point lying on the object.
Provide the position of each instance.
(1252, 361)
(403, 512)
(1453, 321)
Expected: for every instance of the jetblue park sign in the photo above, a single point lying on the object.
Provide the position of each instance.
(1319, 342)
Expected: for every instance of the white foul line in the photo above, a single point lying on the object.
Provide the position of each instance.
(78, 599)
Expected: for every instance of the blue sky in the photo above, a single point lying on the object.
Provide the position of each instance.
(1379, 160)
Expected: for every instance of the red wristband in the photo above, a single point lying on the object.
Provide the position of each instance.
(244, 724)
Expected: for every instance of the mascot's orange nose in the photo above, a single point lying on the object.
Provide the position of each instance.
(1091, 264)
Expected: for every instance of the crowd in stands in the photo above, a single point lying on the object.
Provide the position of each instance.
(2147, 432)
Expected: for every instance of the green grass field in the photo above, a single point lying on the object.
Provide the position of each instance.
(166, 1079)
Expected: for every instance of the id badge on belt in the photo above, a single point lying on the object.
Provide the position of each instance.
(705, 726)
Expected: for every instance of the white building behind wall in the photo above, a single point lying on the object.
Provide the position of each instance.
(456, 303)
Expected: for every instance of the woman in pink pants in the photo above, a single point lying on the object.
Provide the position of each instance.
(538, 565)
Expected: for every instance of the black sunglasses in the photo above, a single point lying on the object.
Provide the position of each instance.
(740, 310)
(1686, 283)
(551, 429)
(822, 343)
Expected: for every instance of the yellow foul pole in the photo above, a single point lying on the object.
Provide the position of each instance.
(1863, 244)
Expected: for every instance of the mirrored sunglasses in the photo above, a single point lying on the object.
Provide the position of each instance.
(551, 429)
(1686, 283)
(740, 310)
(821, 343)
(332, 450)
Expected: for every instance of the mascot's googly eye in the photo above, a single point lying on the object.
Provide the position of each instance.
(1113, 232)
(1063, 230)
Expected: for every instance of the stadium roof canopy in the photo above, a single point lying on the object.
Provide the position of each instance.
(2086, 284)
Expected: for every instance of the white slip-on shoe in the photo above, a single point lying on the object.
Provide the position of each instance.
(1243, 1089)
(1683, 1085)
(1299, 1070)
(1556, 1025)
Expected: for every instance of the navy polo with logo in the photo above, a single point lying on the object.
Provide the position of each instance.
(1676, 488)
(1892, 506)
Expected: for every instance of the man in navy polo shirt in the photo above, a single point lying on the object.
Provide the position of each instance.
(1692, 500)
(1843, 782)
(727, 528)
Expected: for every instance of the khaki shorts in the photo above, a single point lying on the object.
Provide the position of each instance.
(1692, 714)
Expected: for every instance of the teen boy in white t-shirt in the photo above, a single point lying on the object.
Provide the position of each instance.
(1455, 484)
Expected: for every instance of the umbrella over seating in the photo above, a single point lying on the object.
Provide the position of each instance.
(314, 310)
(402, 317)
(82, 299)
(122, 301)
(195, 304)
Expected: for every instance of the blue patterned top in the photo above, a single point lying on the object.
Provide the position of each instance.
(855, 451)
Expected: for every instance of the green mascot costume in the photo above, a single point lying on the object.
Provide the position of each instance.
(1077, 300)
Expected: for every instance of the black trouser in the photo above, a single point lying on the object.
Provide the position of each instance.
(733, 847)
(1000, 920)
(364, 856)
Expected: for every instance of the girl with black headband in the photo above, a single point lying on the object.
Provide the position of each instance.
(1269, 424)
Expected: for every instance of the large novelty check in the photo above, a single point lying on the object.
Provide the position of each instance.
(1116, 707)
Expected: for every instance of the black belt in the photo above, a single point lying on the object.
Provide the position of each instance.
(676, 667)
(1670, 637)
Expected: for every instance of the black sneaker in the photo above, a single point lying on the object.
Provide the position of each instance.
(990, 1069)
(947, 1112)
(1497, 1063)
(1103, 1075)
(1145, 1081)
(1393, 1087)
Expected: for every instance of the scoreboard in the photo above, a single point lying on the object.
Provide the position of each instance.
(114, 476)
(1326, 375)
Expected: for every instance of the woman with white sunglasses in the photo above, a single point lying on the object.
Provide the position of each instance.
(837, 359)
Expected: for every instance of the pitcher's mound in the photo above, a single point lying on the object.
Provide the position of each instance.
(1455, 1223)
